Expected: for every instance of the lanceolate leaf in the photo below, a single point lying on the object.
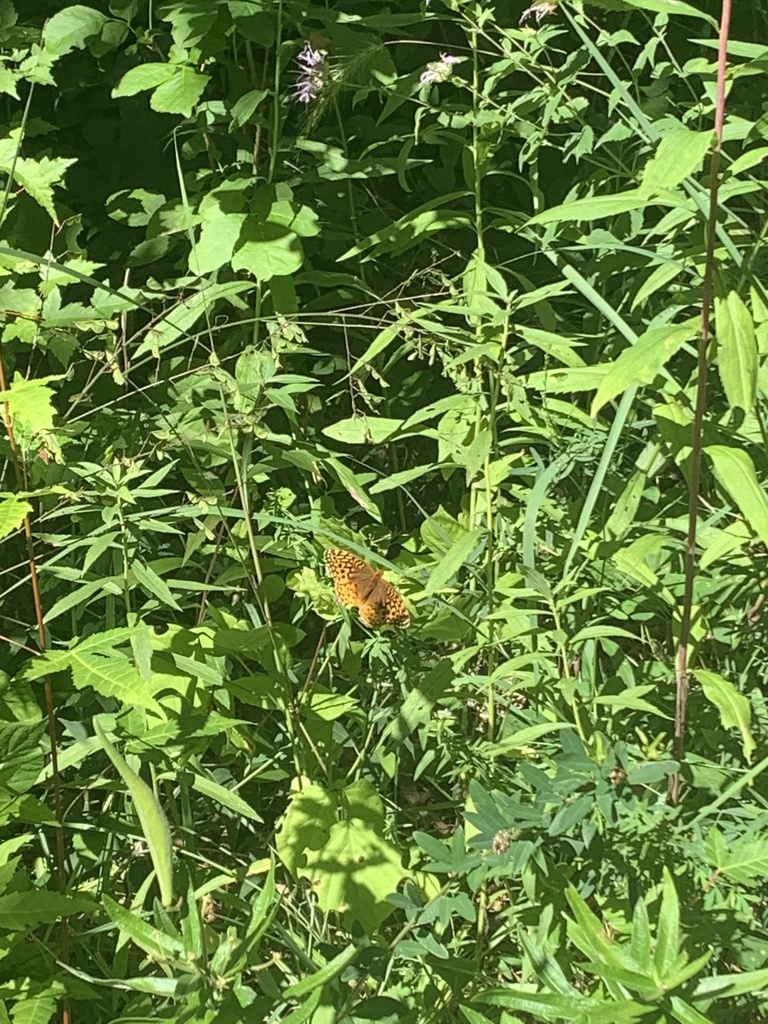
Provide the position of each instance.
(736, 351)
(152, 819)
(735, 710)
(736, 474)
(641, 362)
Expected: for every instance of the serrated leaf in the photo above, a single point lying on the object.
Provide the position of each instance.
(640, 363)
(141, 78)
(112, 675)
(679, 154)
(69, 28)
(180, 92)
(13, 511)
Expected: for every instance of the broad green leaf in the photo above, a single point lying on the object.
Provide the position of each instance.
(735, 709)
(355, 871)
(594, 208)
(306, 824)
(267, 250)
(736, 474)
(141, 78)
(362, 429)
(679, 154)
(179, 93)
(33, 1009)
(736, 351)
(328, 706)
(21, 911)
(219, 233)
(640, 363)
(30, 402)
(112, 675)
(68, 29)
(154, 824)
(13, 512)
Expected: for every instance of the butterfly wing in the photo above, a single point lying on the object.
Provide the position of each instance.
(378, 603)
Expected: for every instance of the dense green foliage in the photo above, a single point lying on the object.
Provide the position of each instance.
(422, 282)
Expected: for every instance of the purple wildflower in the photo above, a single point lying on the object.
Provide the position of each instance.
(439, 70)
(311, 73)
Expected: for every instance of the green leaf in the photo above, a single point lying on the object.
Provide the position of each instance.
(147, 578)
(518, 741)
(736, 474)
(667, 949)
(180, 92)
(736, 351)
(68, 29)
(156, 944)
(725, 986)
(154, 824)
(641, 362)
(735, 710)
(21, 911)
(178, 323)
(13, 511)
(744, 861)
(267, 250)
(306, 824)
(112, 675)
(679, 154)
(594, 208)
(141, 78)
(449, 565)
(687, 1014)
(362, 430)
(330, 970)
(226, 797)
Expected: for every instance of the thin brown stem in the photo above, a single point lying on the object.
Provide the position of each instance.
(686, 620)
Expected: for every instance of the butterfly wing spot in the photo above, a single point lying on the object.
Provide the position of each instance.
(378, 603)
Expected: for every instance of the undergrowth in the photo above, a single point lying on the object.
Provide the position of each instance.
(429, 284)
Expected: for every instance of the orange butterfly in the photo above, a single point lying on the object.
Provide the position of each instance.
(356, 583)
